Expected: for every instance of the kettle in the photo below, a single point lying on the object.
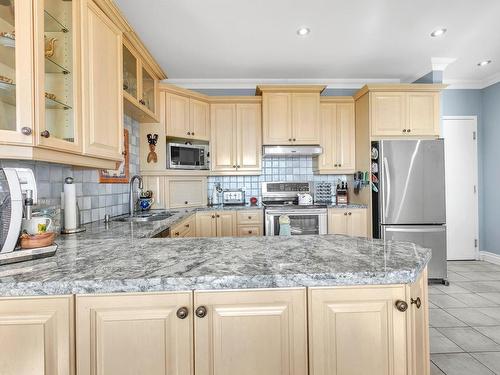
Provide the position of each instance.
(305, 199)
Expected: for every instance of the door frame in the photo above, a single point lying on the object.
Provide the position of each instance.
(476, 178)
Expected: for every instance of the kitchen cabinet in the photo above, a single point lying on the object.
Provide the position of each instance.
(186, 228)
(250, 223)
(417, 327)
(290, 114)
(337, 137)
(140, 86)
(250, 332)
(157, 185)
(216, 224)
(37, 335)
(357, 330)
(187, 117)
(402, 111)
(185, 191)
(146, 333)
(348, 221)
(236, 144)
(102, 99)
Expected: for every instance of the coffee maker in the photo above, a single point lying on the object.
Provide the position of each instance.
(17, 195)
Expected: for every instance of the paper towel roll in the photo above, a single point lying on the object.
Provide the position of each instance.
(69, 206)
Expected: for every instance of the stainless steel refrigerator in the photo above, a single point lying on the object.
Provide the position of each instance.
(410, 202)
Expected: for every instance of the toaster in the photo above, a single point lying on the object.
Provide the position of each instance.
(233, 197)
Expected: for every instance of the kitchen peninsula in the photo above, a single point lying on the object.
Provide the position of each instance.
(181, 305)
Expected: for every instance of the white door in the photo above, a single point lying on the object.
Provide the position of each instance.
(460, 140)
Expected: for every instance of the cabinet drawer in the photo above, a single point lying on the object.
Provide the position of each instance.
(185, 228)
(249, 230)
(249, 217)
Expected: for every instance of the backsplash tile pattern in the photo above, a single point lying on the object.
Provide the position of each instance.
(273, 169)
(94, 199)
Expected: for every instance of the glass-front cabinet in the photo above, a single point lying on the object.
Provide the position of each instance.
(57, 74)
(16, 88)
(139, 87)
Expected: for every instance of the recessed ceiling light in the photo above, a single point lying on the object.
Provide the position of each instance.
(303, 31)
(438, 32)
(483, 63)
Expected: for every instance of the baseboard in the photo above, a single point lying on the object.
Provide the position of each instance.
(489, 257)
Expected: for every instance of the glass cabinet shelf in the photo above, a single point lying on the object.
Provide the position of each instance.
(52, 25)
(8, 93)
(55, 104)
(53, 67)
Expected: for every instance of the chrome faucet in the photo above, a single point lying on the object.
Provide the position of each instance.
(131, 201)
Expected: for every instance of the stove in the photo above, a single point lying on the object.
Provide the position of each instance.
(281, 198)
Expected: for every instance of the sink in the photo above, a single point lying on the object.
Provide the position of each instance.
(146, 216)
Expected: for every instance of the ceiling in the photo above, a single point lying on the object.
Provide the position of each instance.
(350, 41)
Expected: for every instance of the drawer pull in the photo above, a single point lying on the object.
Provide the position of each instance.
(217, 215)
(176, 233)
(249, 232)
(350, 213)
(188, 133)
(201, 312)
(186, 225)
(345, 213)
(213, 216)
(182, 313)
(417, 302)
(185, 202)
(401, 305)
(249, 218)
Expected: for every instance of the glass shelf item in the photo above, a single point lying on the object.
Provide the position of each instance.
(148, 90)
(53, 25)
(129, 72)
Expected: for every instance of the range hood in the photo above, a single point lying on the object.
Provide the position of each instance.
(292, 151)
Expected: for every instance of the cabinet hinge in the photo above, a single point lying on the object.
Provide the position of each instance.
(475, 243)
(475, 189)
(474, 135)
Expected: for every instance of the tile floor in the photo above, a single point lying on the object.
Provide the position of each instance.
(465, 320)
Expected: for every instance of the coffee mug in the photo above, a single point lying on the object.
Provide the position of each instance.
(37, 225)
(146, 203)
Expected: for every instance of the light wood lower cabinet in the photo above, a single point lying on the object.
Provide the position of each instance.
(186, 228)
(216, 224)
(251, 332)
(37, 336)
(357, 331)
(350, 222)
(130, 334)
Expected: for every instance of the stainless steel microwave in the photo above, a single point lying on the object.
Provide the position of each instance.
(185, 156)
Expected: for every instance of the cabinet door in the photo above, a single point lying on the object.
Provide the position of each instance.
(186, 192)
(423, 113)
(37, 336)
(356, 222)
(305, 118)
(149, 89)
(199, 119)
(346, 138)
(388, 113)
(337, 221)
(226, 223)
(277, 118)
(328, 121)
(249, 332)
(223, 140)
(206, 224)
(177, 115)
(102, 84)
(16, 66)
(418, 327)
(249, 137)
(131, 334)
(354, 331)
(157, 185)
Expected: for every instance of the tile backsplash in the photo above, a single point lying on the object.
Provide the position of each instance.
(273, 169)
(94, 199)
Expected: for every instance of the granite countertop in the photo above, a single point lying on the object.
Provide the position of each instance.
(348, 206)
(88, 264)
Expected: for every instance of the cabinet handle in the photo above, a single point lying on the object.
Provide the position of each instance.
(294, 139)
(417, 302)
(176, 233)
(201, 312)
(345, 213)
(340, 165)
(142, 102)
(234, 166)
(185, 202)
(249, 232)
(408, 130)
(192, 133)
(289, 139)
(217, 215)
(404, 130)
(26, 130)
(249, 218)
(401, 305)
(350, 213)
(237, 166)
(186, 225)
(188, 133)
(45, 134)
(213, 216)
(182, 313)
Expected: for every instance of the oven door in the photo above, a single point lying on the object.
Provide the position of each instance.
(302, 222)
(182, 156)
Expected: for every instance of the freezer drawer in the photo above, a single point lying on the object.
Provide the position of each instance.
(430, 236)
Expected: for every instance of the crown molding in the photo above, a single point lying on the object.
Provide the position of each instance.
(253, 83)
(457, 84)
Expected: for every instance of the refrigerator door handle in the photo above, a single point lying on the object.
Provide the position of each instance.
(417, 230)
(387, 192)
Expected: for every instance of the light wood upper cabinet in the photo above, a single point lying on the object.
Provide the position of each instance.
(37, 336)
(187, 117)
(102, 84)
(351, 222)
(251, 332)
(417, 327)
(337, 138)
(291, 118)
(305, 118)
(404, 114)
(236, 137)
(357, 330)
(185, 191)
(130, 334)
